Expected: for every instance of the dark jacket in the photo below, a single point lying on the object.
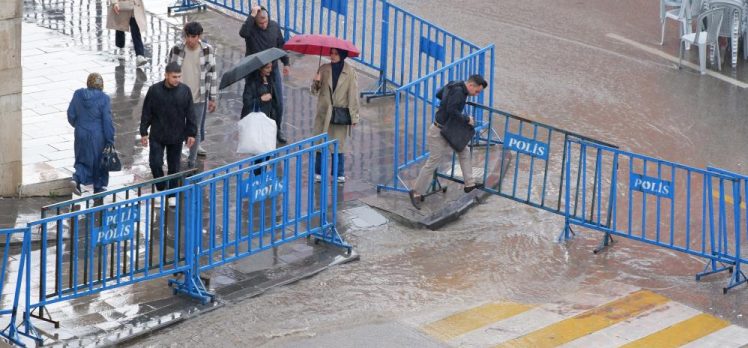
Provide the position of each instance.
(453, 97)
(256, 88)
(168, 112)
(258, 40)
(90, 113)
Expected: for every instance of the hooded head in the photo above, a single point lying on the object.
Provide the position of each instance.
(95, 81)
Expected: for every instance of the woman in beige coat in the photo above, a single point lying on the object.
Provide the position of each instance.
(133, 20)
(335, 85)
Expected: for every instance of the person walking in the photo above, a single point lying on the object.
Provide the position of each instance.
(261, 33)
(128, 15)
(335, 85)
(453, 97)
(198, 61)
(169, 113)
(262, 93)
(90, 113)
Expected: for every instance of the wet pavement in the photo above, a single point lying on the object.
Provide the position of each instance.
(582, 66)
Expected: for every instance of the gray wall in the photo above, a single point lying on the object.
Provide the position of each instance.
(10, 96)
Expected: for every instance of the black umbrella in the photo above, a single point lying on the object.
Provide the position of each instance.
(249, 64)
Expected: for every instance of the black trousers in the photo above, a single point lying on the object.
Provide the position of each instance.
(137, 40)
(156, 161)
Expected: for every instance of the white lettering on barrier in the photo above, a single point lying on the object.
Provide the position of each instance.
(651, 185)
(262, 187)
(118, 224)
(524, 145)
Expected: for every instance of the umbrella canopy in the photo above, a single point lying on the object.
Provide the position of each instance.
(249, 64)
(319, 45)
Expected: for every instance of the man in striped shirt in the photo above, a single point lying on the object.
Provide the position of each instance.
(198, 61)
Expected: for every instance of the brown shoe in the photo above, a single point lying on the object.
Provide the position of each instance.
(415, 199)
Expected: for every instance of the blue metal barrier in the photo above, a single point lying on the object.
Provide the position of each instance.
(9, 239)
(263, 205)
(536, 151)
(401, 46)
(416, 105)
(110, 246)
(653, 201)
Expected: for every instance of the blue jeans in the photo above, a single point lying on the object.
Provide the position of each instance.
(137, 40)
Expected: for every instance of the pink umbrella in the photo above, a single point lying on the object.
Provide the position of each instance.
(319, 45)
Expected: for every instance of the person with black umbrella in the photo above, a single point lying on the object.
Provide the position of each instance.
(261, 33)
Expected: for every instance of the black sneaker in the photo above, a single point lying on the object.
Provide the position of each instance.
(470, 188)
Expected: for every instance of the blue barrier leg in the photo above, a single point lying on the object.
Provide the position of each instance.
(607, 241)
(192, 286)
(737, 278)
(713, 266)
(567, 233)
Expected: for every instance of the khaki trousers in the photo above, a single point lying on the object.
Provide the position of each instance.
(440, 151)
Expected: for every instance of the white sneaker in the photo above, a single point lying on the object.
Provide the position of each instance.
(140, 60)
(341, 179)
(172, 201)
(317, 178)
(201, 151)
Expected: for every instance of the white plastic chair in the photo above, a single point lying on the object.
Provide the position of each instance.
(708, 24)
(678, 10)
(731, 24)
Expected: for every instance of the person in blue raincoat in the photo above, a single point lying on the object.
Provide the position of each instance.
(90, 113)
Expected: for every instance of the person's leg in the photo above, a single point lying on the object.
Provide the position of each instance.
(137, 40)
(156, 162)
(192, 158)
(119, 39)
(318, 163)
(279, 92)
(466, 165)
(341, 165)
(173, 157)
(438, 150)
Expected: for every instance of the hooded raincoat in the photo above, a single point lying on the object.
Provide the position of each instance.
(90, 113)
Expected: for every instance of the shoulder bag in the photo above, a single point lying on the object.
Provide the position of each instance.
(341, 116)
(110, 159)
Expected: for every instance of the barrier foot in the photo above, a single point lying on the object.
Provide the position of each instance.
(30, 331)
(11, 334)
(712, 267)
(737, 278)
(185, 5)
(567, 233)
(435, 187)
(404, 187)
(41, 316)
(192, 287)
(331, 236)
(607, 241)
(380, 91)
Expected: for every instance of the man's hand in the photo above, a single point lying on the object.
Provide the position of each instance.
(144, 140)
(286, 70)
(317, 77)
(471, 121)
(266, 97)
(190, 141)
(116, 9)
(255, 9)
(212, 105)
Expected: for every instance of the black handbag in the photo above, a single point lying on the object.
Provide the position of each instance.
(110, 159)
(341, 116)
(458, 132)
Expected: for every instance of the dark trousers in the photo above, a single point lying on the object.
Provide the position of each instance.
(318, 164)
(156, 161)
(137, 40)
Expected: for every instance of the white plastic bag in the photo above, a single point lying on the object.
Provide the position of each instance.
(256, 134)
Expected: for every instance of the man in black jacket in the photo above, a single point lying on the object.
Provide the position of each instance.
(453, 97)
(260, 33)
(167, 110)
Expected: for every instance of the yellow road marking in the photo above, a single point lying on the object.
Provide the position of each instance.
(461, 323)
(728, 198)
(590, 321)
(681, 333)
